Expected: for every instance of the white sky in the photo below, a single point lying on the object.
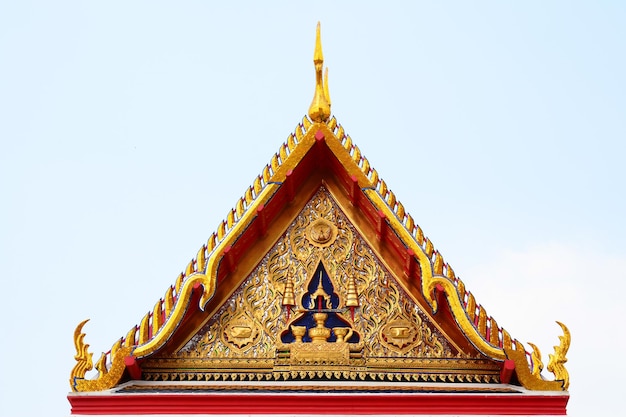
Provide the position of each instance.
(129, 129)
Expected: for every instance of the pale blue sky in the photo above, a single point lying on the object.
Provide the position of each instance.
(129, 129)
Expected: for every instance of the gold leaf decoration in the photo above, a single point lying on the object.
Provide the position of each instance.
(101, 366)
(556, 364)
(332, 123)
(83, 358)
(249, 325)
(106, 380)
(524, 374)
(536, 358)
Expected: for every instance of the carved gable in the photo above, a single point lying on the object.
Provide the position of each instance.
(318, 280)
(321, 304)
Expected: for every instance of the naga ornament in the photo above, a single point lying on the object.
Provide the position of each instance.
(84, 362)
(556, 365)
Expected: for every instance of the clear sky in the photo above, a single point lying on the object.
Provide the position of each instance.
(129, 129)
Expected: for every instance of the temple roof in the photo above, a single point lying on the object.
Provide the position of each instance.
(319, 159)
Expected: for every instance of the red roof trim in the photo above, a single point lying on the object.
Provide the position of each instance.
(320, 403)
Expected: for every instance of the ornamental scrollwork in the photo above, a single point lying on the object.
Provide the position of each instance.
(320, 268)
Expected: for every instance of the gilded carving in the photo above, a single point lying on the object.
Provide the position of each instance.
(531, 378)
(321, 298)
(556, 364)
(524, 374)
(536, 360)
(385, 302)
(320, 227)
(322, 353)
(400, 333)
(350, 389)
(108, 379)
(321, 233)
(83, 357)
(241, 331)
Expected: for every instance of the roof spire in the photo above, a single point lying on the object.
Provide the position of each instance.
(319, 111)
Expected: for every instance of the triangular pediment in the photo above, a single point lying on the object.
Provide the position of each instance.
(321, 277)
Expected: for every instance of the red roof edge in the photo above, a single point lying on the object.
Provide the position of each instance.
(320, 403)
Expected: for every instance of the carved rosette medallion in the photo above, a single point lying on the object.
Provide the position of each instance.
(321, 233)
(399, 334)
(240, 332)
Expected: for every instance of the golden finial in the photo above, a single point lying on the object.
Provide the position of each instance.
(319, 111)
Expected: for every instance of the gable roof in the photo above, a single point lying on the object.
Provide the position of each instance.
(318, 151)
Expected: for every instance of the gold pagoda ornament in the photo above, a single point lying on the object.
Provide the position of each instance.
(288, 297)
(319, 111)
(352, 301)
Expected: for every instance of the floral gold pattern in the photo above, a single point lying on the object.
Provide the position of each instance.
(387, 322)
